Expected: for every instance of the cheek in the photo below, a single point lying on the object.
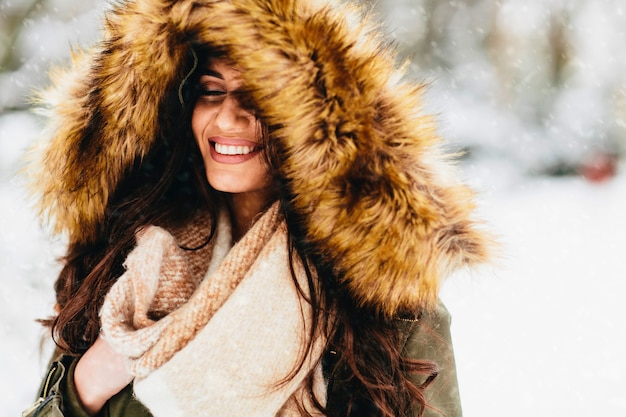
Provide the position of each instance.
(199, 120)
(195, 124)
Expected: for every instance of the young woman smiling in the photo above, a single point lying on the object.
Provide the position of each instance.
(229, 138)
(258, 217)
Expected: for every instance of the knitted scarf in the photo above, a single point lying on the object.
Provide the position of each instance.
(223, 345)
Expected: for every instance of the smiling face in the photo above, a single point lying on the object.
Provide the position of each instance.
(228, 134)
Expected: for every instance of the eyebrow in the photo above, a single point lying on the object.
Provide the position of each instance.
(212, 73)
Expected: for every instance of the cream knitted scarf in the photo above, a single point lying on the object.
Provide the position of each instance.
(219, 346)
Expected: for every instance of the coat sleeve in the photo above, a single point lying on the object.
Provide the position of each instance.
(71, 404)
(123, 404)
(429, 338)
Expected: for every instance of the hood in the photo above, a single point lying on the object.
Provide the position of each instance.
(361, 160)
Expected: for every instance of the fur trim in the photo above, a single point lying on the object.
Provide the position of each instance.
(361, 160)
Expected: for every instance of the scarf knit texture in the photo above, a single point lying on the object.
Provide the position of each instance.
(219, 342)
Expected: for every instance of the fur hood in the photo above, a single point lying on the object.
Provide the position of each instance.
(361, 160)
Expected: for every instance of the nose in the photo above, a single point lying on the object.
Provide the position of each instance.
(231, 117)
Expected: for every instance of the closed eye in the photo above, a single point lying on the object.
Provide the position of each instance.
(211, 87)
(211, 94)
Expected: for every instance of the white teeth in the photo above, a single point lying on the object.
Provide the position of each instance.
(233, 150)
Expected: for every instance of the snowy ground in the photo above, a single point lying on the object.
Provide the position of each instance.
(544, 333)
(540, 334)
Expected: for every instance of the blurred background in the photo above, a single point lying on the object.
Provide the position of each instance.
(534, 94)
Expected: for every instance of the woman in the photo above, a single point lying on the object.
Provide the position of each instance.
(258, 218)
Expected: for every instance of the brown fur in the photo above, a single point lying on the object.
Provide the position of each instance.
(361, 160)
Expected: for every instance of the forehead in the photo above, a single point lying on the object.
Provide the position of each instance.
(222, 68)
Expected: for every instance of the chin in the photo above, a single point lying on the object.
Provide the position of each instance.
(232, 187)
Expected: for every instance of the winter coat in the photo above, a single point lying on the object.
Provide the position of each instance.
(427, 338)
(363, 166)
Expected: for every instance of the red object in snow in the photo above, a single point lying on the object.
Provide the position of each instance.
(600, 167)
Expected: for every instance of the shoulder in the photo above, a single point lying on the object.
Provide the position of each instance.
(427, 337)
(437, 320)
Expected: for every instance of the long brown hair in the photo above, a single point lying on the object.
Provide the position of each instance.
(364, 350)
(364, 353)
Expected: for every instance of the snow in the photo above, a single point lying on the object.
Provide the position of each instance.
(27, 269)
(543, 332)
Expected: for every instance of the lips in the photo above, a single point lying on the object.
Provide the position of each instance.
(232, 150)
